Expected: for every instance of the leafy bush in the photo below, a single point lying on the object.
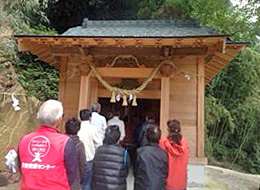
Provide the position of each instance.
(39, 79)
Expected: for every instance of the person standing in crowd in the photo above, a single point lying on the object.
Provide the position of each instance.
(89, 136)
(152, 163)
(98, 120)
(47, 158)
(72, 127)
(116, 121)
(110, 165)
(178, 153)
(140, 132)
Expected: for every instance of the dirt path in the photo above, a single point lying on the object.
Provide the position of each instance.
(223, 179)
(216, 179)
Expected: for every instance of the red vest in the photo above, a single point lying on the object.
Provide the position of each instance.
(42, 160)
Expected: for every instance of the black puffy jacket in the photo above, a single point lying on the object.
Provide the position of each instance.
(151, 169)
(110, 168)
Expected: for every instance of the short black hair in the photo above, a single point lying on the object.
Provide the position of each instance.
(116, 113)
(153, 133)
(112, 134)
(85, 114)
(72, 126)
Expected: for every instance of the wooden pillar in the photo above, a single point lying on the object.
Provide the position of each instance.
(62, 82)
(94, 90)
(165, 104)
(200, 101)
(62, 86)
(84, 94)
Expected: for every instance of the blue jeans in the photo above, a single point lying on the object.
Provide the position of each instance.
(88, 177)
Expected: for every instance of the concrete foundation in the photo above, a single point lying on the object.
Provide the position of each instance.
(196, 175)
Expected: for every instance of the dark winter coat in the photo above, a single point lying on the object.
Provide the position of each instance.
(151, 169)
(81, 156)
(110, 168)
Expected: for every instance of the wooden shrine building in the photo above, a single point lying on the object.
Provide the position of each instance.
(147, 65)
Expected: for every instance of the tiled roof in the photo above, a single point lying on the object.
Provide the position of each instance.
(140, 28)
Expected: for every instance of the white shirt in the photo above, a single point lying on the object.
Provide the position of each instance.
(100, 123)
(116, 121)
(90, 138)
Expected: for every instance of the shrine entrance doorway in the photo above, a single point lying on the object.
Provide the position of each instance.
(132, 115)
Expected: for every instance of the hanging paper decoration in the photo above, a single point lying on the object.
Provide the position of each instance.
(15, 103)
(124, 101)
(187, 76)
(113, 97)
(118, 97)
(130, 98)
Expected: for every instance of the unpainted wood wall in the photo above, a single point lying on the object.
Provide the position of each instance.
(183, 101)
(183, 97)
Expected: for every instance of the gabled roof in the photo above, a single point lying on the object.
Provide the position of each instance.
(141, 28)
(185, 37)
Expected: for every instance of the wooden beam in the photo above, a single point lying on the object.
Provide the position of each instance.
(88, 41)
(207, 70)
(215, 65)
(224, 57)
(125, 72)
(232, 53)
(137, 51)
(212, 69)
(165, 104)
(200, 113)
(145, 94)
(84, 94)
(196, 160)
(62, 83)
(23, 46)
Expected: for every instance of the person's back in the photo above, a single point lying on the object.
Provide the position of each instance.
(89, 136)
(98, 120)
(110, 164)
(72, 127)
(116, 121)
(152, 163)
(178, 153)
(43, 154)
(142, 138)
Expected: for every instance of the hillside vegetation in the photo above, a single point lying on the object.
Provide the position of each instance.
(232, 102)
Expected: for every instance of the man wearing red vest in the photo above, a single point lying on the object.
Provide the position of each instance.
(47, 159)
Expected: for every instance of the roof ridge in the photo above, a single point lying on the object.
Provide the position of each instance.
(176, 22)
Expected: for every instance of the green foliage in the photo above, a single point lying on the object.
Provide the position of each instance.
(39, 79)
(219, 121)
(255, 159)
(30, 13)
